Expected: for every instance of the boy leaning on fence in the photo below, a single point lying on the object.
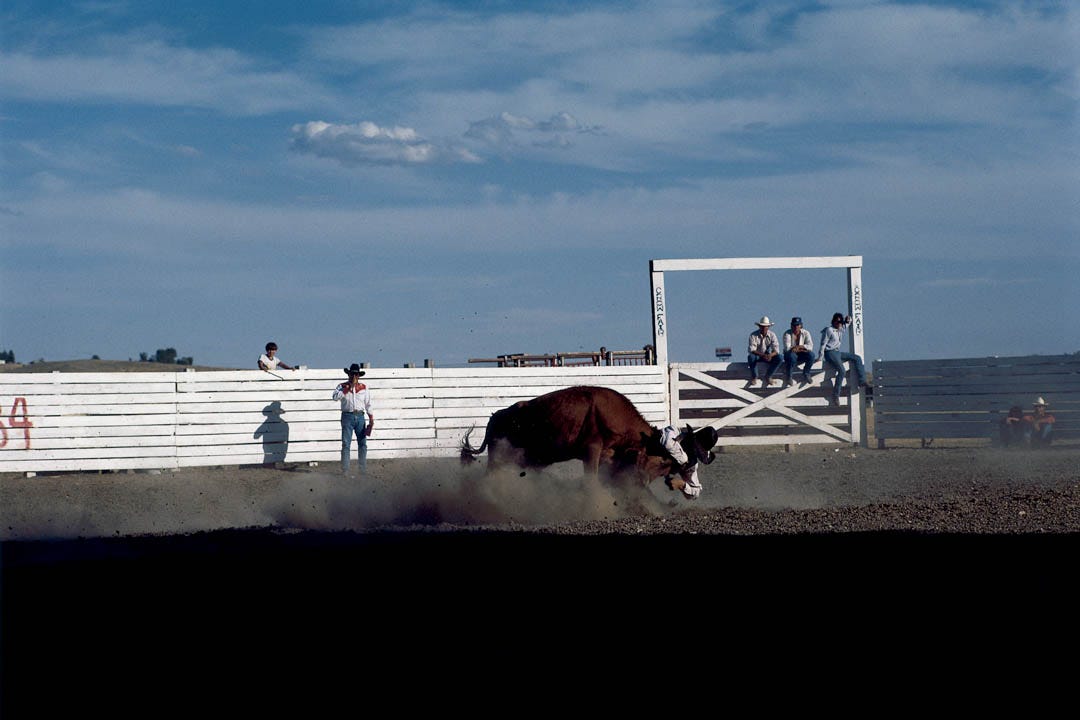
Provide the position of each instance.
(270, 361)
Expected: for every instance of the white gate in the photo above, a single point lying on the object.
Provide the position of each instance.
(717, 394)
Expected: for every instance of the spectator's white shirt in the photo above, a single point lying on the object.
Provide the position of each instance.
(766, 344)
(791, 341)
(269, 363)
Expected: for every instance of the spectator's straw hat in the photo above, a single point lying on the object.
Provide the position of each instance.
(764, 321)
(1039, 401)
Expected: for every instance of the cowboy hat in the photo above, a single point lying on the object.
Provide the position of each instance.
(354, 369)
(764, 321)
(1039, 401)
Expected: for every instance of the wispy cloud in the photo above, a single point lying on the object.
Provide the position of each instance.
(140, 70)
(971, 282)
(505, 131)
(366, 143)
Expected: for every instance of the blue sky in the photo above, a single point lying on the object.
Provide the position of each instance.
(389, 182)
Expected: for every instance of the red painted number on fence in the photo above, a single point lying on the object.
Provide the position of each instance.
(16, 422)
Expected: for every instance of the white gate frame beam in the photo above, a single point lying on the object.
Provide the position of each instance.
(853, 265)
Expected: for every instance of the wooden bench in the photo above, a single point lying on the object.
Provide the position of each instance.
(967, 397)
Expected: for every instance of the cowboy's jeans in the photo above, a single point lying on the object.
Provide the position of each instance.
(353, 424)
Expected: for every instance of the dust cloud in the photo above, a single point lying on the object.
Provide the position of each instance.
(431, 492)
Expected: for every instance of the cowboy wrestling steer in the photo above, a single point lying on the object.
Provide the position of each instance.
(598, 426)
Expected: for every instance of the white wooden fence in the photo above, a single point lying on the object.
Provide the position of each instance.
(152, 420)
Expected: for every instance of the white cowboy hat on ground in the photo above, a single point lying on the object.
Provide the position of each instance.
(764, 321)
(1039, 401)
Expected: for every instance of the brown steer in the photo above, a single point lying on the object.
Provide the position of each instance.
(596, 425)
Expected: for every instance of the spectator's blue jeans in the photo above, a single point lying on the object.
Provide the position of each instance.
(353, 424)
(1035, 437)
(792, 359)
(836, 359)
(752, 360)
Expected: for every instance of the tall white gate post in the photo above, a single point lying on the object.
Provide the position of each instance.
(659, 316)
(659, 333)
(855, 309)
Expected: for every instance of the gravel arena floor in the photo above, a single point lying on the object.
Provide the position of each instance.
(423, 564)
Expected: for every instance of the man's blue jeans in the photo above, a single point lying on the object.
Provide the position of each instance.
(1035, 438)
(353, 424)
(752, 360)
(836, 359)
(792, 359)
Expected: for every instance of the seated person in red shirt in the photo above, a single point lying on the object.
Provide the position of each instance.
(1038, 426)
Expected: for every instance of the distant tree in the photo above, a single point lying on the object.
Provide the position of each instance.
(168, 356)
(7, 356)
(185, 361)
(143, 357)
(94, 357)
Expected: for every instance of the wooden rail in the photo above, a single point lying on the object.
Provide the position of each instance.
(967, 397)
(645, 356)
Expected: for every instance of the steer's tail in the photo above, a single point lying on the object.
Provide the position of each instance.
(468, 452)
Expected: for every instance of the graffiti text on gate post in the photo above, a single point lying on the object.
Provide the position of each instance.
(856, 309)
(659, 301)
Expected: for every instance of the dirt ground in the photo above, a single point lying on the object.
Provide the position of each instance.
(424, 574)
(748, 491)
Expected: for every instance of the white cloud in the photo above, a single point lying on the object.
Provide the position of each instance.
(366, 143)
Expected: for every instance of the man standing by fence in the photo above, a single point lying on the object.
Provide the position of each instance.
(356, 403)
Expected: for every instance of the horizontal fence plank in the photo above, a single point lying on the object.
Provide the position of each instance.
(74, 379)
(1025, 384)
(817, 439)
(8, 390)
(987, 374)
(934, 430)
(76, 434)
(989, 362)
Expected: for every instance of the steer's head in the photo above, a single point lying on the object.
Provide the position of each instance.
(680, 473)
